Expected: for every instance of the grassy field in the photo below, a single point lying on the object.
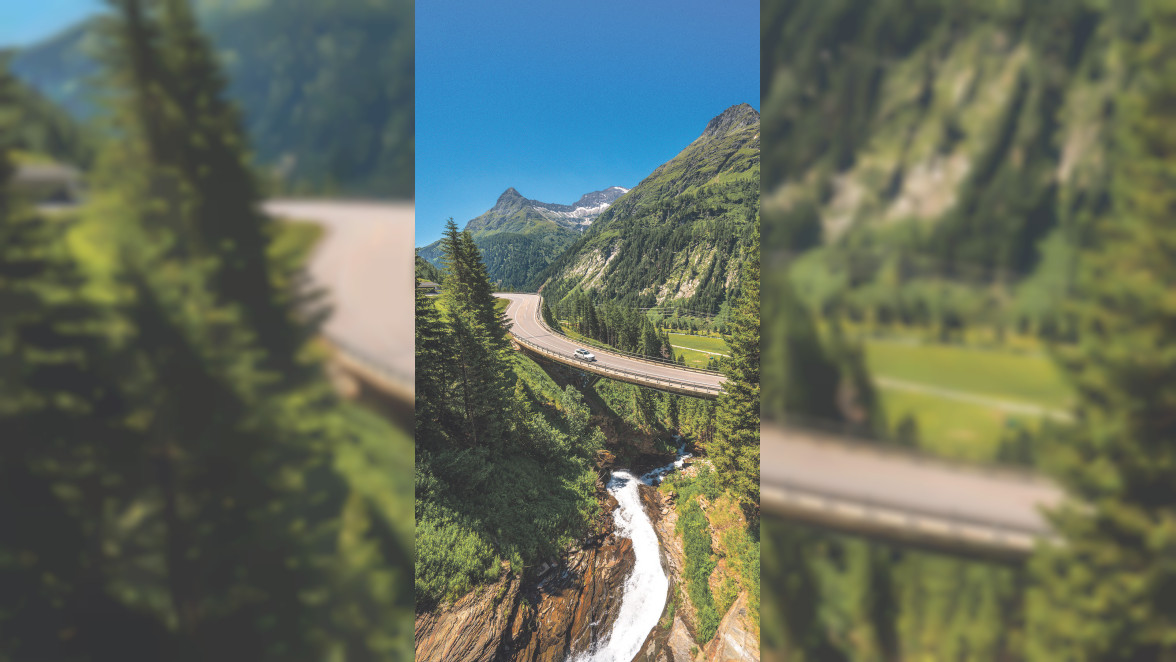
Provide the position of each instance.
(695, 349)
(694, 359)
(1027, 378)
(951, 423)
(701, 343)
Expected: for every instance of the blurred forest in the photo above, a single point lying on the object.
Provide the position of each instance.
(179, 480)
(298, 70)
(974, 198)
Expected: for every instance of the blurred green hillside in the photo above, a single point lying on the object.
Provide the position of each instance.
(941, 180)
(299, 70)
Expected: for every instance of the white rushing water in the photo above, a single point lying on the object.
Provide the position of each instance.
(644, 596)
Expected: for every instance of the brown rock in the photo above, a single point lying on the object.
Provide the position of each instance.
(680, 641)
(572, 605)
(471, 629)
(737, 639)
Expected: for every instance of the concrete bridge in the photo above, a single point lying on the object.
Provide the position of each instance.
(364, 264)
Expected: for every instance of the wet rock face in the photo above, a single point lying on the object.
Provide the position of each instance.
(471, 629)
(578, 604)
(541, 620)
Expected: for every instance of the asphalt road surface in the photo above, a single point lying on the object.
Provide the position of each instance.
(365, 263)
(523, 311)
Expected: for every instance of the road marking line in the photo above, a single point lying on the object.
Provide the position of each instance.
(963, 396)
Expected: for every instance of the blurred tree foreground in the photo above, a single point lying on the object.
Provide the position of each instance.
(1058, 233)
(1110, 593)
(177, 480)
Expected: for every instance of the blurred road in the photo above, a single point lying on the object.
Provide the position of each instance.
(821, 478)
(365, 263)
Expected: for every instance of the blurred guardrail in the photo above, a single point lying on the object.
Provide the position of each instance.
(396, 383)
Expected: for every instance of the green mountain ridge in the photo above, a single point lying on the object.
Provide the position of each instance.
(298, 69)
(518, 236)
(680, 236)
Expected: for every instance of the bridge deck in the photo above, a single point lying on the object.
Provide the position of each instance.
(529, 330)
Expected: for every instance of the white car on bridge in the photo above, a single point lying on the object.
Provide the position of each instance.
(585, 355)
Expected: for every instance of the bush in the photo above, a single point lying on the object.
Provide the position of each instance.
(451, 558)
(705, 483)
(700, 563)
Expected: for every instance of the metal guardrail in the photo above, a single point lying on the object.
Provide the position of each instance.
(631, 376)
(868, 507)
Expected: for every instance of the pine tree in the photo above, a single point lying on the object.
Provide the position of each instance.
(241, 478)
(197, 149)
(61, 426)
(1109, 592)
(673, 410)
(433, 375)
(881, 602)
(482, 390)
(804, 638)
(549, 317)
(735, 448)
(801, 378)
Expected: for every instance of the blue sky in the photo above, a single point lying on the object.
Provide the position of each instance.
(24, 22)
(561, 98)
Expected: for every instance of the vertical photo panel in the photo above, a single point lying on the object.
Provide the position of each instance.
(967, 319)
(206, 365)
(587, 332)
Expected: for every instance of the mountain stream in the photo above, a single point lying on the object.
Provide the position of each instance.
(646, 589)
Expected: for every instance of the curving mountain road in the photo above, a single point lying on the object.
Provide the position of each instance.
(528, 327)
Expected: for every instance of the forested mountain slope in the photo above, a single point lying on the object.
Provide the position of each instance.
(43, 131)
(681, 234)
(519, 237)
(299, 70)
(960, 139)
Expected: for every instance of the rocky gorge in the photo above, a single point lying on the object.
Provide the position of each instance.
(568, 610)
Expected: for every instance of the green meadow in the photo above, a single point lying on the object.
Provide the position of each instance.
(963, 398)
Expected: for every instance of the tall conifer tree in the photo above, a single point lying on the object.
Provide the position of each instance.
(61, 425)
(241, 464)
(483, 391)
(434, 375)
(735, 448)
(1109, 592)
